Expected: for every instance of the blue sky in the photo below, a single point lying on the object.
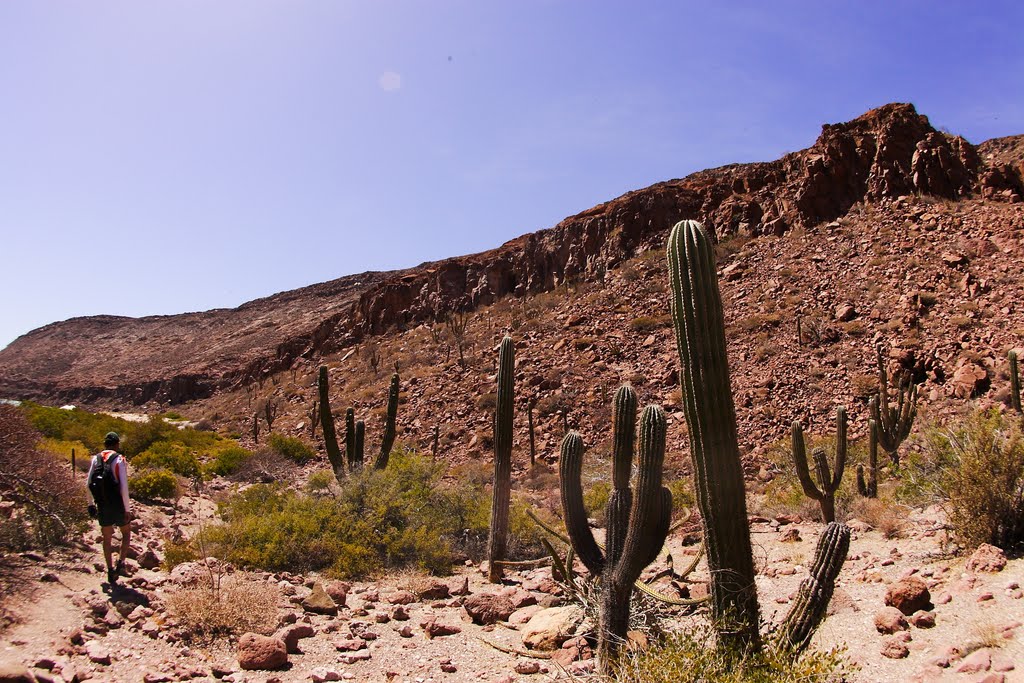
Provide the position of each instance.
(159, 157)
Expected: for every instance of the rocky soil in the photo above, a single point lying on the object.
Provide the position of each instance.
(904, 610)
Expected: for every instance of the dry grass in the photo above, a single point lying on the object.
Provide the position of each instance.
(888, 517)
(239, 606)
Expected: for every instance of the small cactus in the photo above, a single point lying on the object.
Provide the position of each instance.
(496, 544)
(894, 421)
(696, 306)
(637, 523)
(360, 433)
(354, 462)
(388, 441)
(327, 426)
(816, 590)
(829, 483)
(868, 486)
(1014, 381)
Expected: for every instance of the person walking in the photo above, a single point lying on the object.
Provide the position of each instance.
(108, 484)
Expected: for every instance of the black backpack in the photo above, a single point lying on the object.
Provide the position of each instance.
(102, 485)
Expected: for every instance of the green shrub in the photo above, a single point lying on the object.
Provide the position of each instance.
(647, 323)
(169, 456)
(403, 516)
(178, 552)
(296, 450)
(981, 477)
(227, 461)
(153, 484)
(320, 482)
(694, 656)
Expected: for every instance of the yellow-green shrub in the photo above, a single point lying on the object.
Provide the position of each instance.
(169, 456)
(153, 484)
(227, 461)
(296, 450)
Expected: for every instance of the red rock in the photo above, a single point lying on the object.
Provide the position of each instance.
(488, 608)
(987, 558)
(256, 652)
(908, 595)
(350, 645)
(434, 629)
(969, 380)
(894, 649)
(922, 619)
(401, 598)
(291, 635)
(976, 662)
(890, 620)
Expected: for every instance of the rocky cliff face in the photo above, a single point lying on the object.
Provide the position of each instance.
(886, 153)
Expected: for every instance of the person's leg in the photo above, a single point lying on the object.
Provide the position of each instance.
(126, 537)
(108, 545)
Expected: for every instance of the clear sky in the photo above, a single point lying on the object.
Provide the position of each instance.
(160, 157)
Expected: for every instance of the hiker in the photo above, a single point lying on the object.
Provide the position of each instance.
(108, 484)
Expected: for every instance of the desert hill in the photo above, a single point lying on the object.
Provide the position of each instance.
(886, 184)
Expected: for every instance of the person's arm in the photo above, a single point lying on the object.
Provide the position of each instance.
(122, 479)
(88, 476)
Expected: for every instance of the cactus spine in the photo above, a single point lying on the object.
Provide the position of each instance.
(894, 421)
(868, 487)
(828, 483)
(1014, 381)
(816, 590)
(327, 426)
(696, 306)
(354, 462)
(496, 543)
(388, 442)
(637, 524)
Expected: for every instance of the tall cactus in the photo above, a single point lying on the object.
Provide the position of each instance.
(327, 426)
(496, 543)
(1014, 381)
(388, 441)
(816, 590)
(360, 433)
(354, 462)
(829, 483)
(894, 421)
(637, 524)
(696, 306)
(867, 486)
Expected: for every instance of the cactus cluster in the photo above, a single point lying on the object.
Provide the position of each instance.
(355, 430)
(894, 419)
(828, 482)
(638, 521)
(498, 539)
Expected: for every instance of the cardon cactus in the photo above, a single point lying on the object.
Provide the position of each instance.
(816, 590)
(637, 523)
(894, 421)
(327, 426)
(828, 483)
(360, 433)
(354, 461)
(388, 441)
(696, 306)
(867, 479)
(496, 543)
(1014, 381)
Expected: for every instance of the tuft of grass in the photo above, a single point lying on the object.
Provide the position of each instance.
(692, 657)
(238, 606)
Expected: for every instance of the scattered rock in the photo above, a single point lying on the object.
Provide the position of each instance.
(433, 629)
(291, 635)
(550, 627)
(976, 662)
(15, 673)
(922, 619)
(890, 620)
(527, 667)
(319, 602)
(894, 649)
(401, 598)
(350, 645)
(256, 652)
(909, 595)
(987, 558)
(488, 608)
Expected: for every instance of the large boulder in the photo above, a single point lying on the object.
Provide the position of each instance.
(909, 595)
(488, 608)
(987, 558)
(256, 652)
(549, 628)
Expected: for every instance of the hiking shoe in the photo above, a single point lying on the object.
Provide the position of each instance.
(119, 570)
(111, 576)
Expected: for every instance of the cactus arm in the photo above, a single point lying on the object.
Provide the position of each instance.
(388, 442)
(350, 439)
(816, 590)
(570, 465)
(696, 307)
(327, 426)
(623, 435)
(359, 440)
(800, 461)
(841, 449)
(827, 502)
(502, 490)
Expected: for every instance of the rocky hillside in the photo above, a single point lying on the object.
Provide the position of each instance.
(796, 209)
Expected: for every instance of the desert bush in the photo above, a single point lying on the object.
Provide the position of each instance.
(694, 656)
(981, 477)
(177, 552)
(238, 606)
(649, 323)
(169, 456)
(264, 466)
(320, 482)
(296, 450)
(403, 516)
(227, 461)
(153, 484)
(49, 502)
